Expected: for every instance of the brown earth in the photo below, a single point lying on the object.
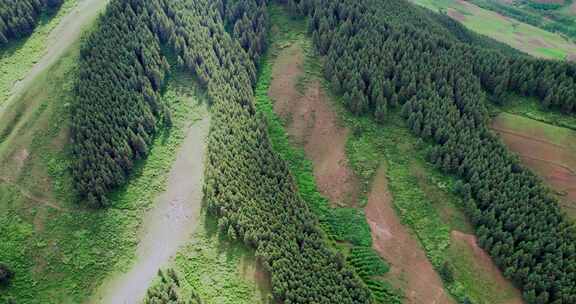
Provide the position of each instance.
(393, 242)
(454, 14)
(555, 163)
(485, 267)
(537, 43)
(312, 124)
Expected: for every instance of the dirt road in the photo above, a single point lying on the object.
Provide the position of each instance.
(66, 33)
(168, 225)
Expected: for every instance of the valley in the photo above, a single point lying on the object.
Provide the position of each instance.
(297, 151)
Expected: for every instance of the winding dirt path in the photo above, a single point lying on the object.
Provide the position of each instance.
(168, 225)
(66, 33)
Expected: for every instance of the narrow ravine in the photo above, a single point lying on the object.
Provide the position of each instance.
(168, 225)
(64, 35)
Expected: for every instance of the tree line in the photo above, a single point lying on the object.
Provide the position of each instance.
(18, 18)
(170, 289)
(391, 55)
(247, 186)
(118, 106)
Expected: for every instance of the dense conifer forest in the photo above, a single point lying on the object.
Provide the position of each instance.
(19, 17)
(248, 187)
(169, 290)
(382, 58)
(387, 55)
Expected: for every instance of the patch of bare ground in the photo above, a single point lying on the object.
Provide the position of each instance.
(393, 242)
(312, 124)
(485, 267)
(253, 270)
(454, 14)
(20, 158)
(538, 43)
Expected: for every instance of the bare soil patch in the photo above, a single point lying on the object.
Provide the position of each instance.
(254, 270)
(168, 225)
(537, 43)
(312, 124)
(394, 243)
(20, 158)
(485, 267)
(454, 14)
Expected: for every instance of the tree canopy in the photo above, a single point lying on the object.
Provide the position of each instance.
(18, 18)
(247, 186)
(391, 55)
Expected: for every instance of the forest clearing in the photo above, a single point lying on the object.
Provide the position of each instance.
(170, 224)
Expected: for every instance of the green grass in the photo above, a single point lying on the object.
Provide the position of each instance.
(478, 285)
(367, 262)
(514, 33)
(551, 53)
(19, 56)
(214, 268)
(61, 256)
(554, 134)
(532, 108)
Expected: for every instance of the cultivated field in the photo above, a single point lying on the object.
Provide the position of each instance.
(522, 36)
(548, 150)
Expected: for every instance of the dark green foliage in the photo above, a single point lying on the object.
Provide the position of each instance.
(169, 290)
(118, 105)
(252, 192)
(19, 17)
(367, 262)
(446, 273)
(5, 274)
(384, 293)
(247, 185)
(388, 52)
(248, 23)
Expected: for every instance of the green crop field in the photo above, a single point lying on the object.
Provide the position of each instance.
(522, 36)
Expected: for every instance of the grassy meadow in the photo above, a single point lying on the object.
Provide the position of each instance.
(524, 37)
(19, 56)
(60, 250)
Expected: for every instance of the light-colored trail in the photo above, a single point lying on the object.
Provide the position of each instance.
(66, 33)
(168, 225)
